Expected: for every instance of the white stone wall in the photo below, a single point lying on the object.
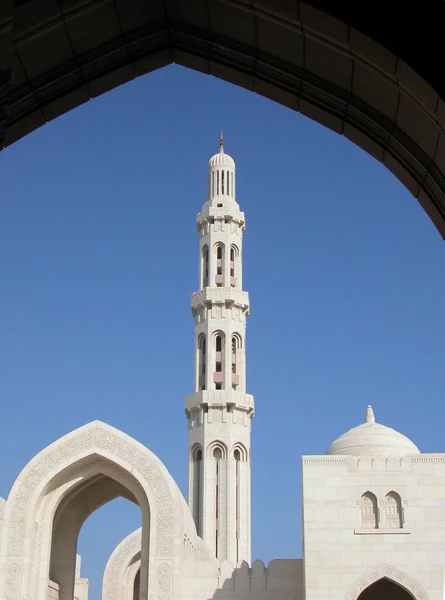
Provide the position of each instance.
(281, 580)
(341, 557)
(2, 512)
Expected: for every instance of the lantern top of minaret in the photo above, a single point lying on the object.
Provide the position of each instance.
(222, 159)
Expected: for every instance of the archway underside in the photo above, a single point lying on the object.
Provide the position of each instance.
(55, 56)
(385, 589)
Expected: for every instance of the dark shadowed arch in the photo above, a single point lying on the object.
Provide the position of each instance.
(385, 589)
(351, 66)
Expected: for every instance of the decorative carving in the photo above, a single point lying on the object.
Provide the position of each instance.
(393, 511)
(12, 581)
(369, 511)
(95, 437)
(118, 563)
(428, 459)
(385, 571)
(324, 461)
(102, 439)
(163, 582)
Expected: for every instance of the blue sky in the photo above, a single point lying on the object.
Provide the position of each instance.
(99, 256)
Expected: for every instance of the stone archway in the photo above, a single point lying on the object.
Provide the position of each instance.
(351, 67)
(122, 569)
(385, 589)
(385, 572)
(91, 465)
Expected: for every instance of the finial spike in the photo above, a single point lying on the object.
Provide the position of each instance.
(221, 141)
(370, 418)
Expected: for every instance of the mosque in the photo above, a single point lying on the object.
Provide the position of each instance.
(373, 504)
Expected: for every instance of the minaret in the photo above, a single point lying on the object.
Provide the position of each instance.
(219, 412)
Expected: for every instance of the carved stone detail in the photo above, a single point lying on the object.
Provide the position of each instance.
(12, 581)
(163, 582)
(118, 564)
(102, 439)
(385, 571)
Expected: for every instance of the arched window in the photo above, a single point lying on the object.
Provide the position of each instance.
(219, 265)
(369, 511)
(219, 357)
(205, 266)
(197, 486)
(236, 344)
(393, 509)
(202, 356)
(232, 262)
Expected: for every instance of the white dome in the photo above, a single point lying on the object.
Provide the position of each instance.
(372, 439)
(221, 159)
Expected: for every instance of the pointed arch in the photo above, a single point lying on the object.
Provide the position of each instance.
(393, 510)
(384, 571)
(217, 445)
(369, 511)
(122, 567)
(57, 474)
(239, 452)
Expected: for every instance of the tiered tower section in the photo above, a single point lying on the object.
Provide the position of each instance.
(219, 412)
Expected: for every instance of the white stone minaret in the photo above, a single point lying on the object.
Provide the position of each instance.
(219, 412)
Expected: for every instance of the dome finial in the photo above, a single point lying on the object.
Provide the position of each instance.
(221, 142)
(370, 418)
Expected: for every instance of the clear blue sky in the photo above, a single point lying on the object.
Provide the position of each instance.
(99, 256)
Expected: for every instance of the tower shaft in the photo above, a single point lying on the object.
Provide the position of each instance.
(219, 412)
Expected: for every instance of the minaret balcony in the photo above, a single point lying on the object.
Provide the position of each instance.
(214, 295)
(210, 398)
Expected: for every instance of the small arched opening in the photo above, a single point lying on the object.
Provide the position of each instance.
(385, 589)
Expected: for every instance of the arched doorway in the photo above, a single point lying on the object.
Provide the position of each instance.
(385, 589)
(62, 486)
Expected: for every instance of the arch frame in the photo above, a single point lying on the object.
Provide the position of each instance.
(212, 446)
(121, 568)
(393, 574)
(328, 69)
(51, 475)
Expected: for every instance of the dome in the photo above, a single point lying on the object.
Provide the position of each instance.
(221, 159)
(372, 439)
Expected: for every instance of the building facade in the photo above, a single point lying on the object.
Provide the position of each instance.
(373, 505)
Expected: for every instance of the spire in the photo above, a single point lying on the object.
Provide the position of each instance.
(221, 142)
(370, 418)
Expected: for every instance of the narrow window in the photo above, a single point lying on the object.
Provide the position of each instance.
(369, 511)
(393, 506)
(218, 343)
(217, 455)
(202, 355)
(213, 183)
(237, 457)
(217, 182)
(197, 477)
(219, 260)
(234, 349)
(231, 187)
(232, 262)
(205, 266)
(228, 187)
(222, 182)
